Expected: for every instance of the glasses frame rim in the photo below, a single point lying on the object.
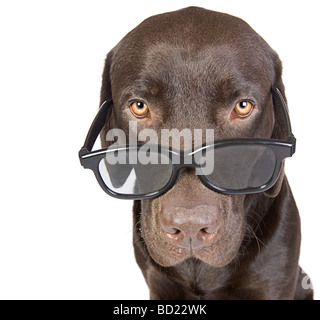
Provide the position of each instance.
(281, 148)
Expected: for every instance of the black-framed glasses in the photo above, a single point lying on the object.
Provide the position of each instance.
(240, 165)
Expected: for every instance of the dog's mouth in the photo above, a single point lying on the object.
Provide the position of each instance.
(175, 255)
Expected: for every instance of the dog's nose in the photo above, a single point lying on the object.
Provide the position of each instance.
(192, 227)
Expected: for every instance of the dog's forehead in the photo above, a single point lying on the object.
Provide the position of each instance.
(192, 45)
(192, 71)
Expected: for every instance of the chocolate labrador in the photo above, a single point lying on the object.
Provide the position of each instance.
(201, 69)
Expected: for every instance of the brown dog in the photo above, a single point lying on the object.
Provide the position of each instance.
(189, 68)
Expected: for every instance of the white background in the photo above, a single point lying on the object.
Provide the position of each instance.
(61, 236)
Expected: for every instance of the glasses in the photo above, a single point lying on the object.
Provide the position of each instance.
(240, 165)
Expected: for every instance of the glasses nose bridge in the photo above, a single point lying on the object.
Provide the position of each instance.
(182, 170)
(184, 161)
(187, 159)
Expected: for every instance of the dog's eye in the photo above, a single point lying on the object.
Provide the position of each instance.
(243, 108)
(139, 109)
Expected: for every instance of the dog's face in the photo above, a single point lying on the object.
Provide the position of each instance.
(193, 69)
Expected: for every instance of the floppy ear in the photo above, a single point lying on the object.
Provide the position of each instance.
(279, 124)
(117, 176)
(279, 130)
(106, 94)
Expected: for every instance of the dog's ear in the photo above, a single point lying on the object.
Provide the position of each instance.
(117, 177)
(106, 94)
(279, 131)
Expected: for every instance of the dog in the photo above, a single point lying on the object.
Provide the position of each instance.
(186, 69)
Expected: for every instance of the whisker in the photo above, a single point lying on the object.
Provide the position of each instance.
(254, 235)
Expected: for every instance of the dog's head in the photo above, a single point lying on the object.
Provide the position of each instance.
(192, 69)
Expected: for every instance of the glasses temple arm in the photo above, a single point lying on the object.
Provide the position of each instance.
(285, 111)
(95, 128)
